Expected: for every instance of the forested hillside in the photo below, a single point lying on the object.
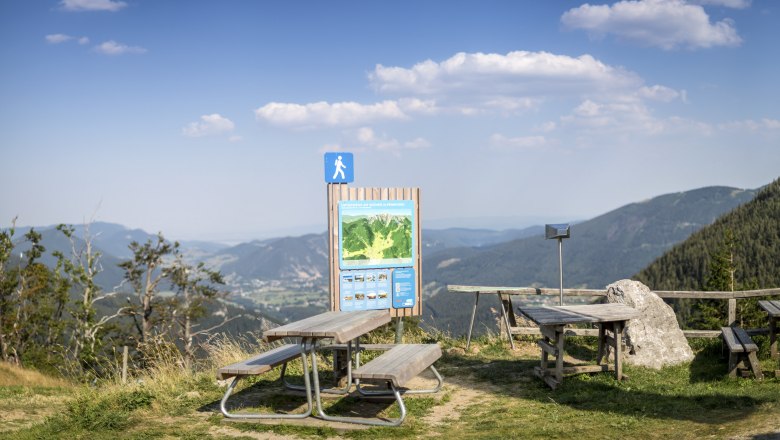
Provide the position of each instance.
(602, 250)
(756, 230)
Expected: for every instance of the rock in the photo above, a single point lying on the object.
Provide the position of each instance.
(654, 339)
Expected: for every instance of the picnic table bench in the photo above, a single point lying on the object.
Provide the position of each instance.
(741, 349)
(260, 364)
(395, 367)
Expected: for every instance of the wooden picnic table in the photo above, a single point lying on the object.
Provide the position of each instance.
(772, 308)
(508, 317)
(610, 318)
(341, 327)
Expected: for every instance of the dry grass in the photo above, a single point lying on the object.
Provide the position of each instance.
(11, 375)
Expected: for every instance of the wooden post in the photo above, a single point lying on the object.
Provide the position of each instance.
(559, 340)
(617, 330)
(732, 312)
(124, 365)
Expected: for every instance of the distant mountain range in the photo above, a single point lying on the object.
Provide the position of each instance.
(602, 250)
(612, 246)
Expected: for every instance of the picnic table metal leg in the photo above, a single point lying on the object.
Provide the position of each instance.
(323, 416)
(332, 390)
(473, 314)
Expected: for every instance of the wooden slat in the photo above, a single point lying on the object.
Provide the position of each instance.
(261, 363)
(588, 369)
(524, 290)
(341, 326)
(366, 347)
(771, 307)
(567, 332)
(400, 364)
(550, 315)
(546, 346)
(744, 339)
(551, 381)
(731, 341)
(602, 292)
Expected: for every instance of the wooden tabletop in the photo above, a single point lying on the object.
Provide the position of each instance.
(771, 307)
(562, 315)
(341, 326)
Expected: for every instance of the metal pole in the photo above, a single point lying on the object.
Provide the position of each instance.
(399, 330)
(560, 264)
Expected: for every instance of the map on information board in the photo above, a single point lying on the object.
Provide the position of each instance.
(376, 234)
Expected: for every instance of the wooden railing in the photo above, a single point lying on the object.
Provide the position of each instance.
(732, 298)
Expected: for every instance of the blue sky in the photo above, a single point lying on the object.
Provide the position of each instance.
(209, 120)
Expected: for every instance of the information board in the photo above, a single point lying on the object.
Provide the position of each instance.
(377, 234)
(404, 293)
(365, 289)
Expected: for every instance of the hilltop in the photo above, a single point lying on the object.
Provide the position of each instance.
(756, 230)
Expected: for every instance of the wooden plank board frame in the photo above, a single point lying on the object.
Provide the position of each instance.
(338, 192)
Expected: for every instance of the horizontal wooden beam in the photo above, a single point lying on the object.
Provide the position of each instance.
(546, 346)
(671, 294)
(534, 331)
(588, 369)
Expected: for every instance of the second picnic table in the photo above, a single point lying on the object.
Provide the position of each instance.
(610, 318)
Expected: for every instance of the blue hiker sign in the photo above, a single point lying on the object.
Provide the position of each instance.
(339, 168)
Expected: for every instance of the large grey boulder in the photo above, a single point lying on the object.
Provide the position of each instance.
(654, 339)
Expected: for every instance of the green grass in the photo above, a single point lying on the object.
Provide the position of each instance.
(690, 401)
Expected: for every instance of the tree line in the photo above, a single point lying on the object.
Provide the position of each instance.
(49, 316)
(739, 251)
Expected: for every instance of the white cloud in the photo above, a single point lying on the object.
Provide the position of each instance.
(209, 125)
(516, 74)
(736, 4)
(111, 47)
(761, 125)
(629, 115)
(588, 108)
(667, 24)
(92, 5)
(58, 38)
(235, 138)
(501, 142)
(324, 114)
(62, 38)
(472, 84)
(661, 93)
(366, 137)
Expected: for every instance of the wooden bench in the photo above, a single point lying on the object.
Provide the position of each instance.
(741, 349)
(400, 364)
(260, 364)
(396, 367)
